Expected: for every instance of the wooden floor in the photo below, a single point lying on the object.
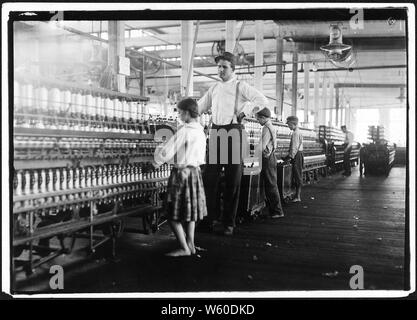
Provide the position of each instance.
(341, 222)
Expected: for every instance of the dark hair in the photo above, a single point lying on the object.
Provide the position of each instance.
(190, 105)
(227, 56)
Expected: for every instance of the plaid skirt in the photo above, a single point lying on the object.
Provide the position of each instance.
(186, 199)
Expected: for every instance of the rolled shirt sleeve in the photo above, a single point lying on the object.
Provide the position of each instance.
(255, 100)
(204, 104)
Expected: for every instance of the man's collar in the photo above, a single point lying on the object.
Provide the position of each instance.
(232, 78)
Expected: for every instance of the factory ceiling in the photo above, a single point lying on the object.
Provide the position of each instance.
(378, 47)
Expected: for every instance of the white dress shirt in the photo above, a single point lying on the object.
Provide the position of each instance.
(187, 147)
(220, 98)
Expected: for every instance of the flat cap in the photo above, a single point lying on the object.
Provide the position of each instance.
(292, 119)
(265, 112)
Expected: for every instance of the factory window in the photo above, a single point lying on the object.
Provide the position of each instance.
(363, 119)
(397, 130)
(127, 33)
(149, 48)
(300, 115)
(135, 33)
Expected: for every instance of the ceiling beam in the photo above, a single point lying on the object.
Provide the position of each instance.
(212, 71)
(370, 85)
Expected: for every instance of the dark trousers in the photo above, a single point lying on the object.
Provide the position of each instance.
(346, 161)
(269, 177)
(233, 176)
(297, 169)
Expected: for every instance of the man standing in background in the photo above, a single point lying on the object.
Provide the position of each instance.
(346, 152)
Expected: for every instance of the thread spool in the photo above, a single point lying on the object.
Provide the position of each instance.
(28, 95)
(66, 102)
(54, 100)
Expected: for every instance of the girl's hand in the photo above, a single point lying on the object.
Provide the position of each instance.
(155, 165)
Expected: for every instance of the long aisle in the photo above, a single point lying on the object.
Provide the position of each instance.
(340, 223)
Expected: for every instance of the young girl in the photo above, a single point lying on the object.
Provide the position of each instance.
(186, 200)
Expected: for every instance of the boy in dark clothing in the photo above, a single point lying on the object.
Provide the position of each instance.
(269, 164)
(295, 156)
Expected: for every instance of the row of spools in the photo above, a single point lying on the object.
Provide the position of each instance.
(27, 182)
(31, 99)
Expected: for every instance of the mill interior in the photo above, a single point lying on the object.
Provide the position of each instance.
(94, 100)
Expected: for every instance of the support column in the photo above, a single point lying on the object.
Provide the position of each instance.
(117, 49)
(279, 89)
(259, 54)
(306, 89)
(348, 115)
(316, 100)
(294, 83)
(337, 107)
(230, 35)
(323, 110)
(331, 102)
(142, 77)
(186, 49)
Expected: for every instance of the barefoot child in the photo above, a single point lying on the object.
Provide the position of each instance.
(295, 155)
(269, 164)
(186, 201)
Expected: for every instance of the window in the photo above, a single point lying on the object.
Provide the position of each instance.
(136, 33)
(397, 129)
(364, 118)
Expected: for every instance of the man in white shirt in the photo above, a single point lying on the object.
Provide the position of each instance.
(229, 101)
(347, 150)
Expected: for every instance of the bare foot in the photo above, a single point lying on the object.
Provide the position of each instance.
(191, 247)
(179, 253)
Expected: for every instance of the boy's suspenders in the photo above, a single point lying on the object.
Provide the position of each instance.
(273, 139)
(236, 101)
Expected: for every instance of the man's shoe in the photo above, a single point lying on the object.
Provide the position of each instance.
(276, 216)
(228, 231)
